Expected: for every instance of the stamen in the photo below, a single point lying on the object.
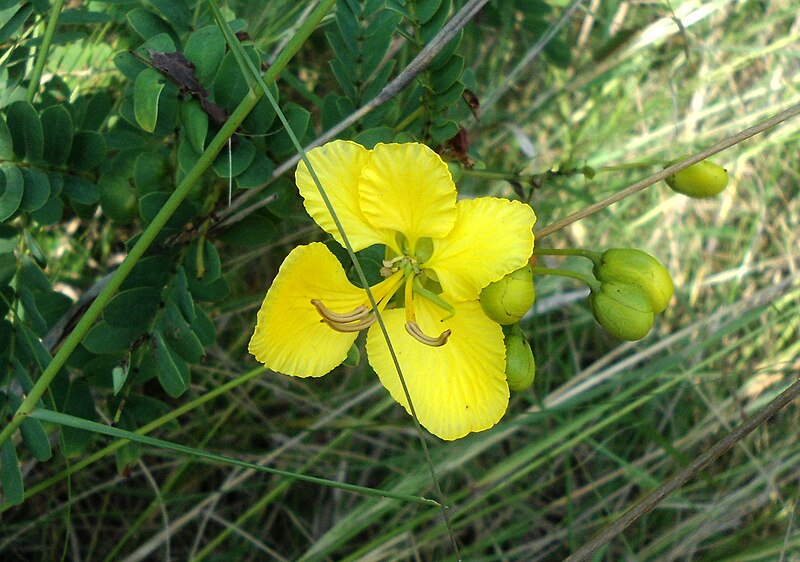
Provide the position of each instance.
(416, 332)
(327, 314)
(346, 327)
(409, 297)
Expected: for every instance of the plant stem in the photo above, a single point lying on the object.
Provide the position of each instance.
(43, 50)
(588, 254)
(593, 283)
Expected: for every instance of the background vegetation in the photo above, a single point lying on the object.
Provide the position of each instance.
(575, 101)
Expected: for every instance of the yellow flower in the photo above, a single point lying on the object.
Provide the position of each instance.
(440, 253)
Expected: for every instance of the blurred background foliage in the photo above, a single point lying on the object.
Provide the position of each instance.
(109, 106)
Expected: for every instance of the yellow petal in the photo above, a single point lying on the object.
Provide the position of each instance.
(407, 188)
(338, 166)
(492, 237)
(457, 388)
(290, 337)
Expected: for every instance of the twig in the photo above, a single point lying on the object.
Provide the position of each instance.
(666, 172)
(649, 502)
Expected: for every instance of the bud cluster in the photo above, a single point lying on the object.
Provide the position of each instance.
(633, 288)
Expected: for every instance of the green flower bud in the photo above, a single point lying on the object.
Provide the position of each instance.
(506, 301)
(623, 310)
(626, 265)
(704, 179)
(520, 365)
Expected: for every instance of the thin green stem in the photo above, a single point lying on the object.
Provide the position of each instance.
(150, 233)
(593, 283)
(588, 254)
(638, 165)
(43, 50)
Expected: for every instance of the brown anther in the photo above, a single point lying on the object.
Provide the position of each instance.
(349, 327)
(416, 332)
(328, 315)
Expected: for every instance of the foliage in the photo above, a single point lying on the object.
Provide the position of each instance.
(113, 111)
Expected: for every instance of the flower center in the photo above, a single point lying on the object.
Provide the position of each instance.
(400, 271)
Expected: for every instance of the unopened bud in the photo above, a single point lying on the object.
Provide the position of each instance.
(520, 365)
(626, 265)
(623, 310)
(704, 179)
(506, 301)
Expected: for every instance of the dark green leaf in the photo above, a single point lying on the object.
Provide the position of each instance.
(204, 328)
(8, 267)
(176, 12)
(162, 42)
(179, 335)
(133, 307)
(262, 115)
(33, 277)
(152, 203)
(349, 31)
(147, 24)
(444, 55)
(37, 189)
(6, 142)
(370, 137)
(443, 78)
(258, 173)
(31, 313)
(151, 271)
(206, 49)
(103, 338)
(128, 64)
(231, 164)
(80, 190)
(146, 93)
(299, 119)
(50, 212)
(79, 403)
(195, 122)
(230, 85)
(182, 296)
(450, 97)
(173, 373)
(432, 26)
(91, 111)
(202, 263)
(211, 292)
(31, 348)
(426, 9)
(345, 76)
(88, 151)
(82, 17)
(12, 189)
(26, 130)
(36, 440)
(13, 491)
(36, 251)
(118, 198)
(254, 230)
(57, 130)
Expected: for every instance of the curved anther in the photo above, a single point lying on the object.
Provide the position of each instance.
(329, 316)
(416, 332)
(348, 327)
